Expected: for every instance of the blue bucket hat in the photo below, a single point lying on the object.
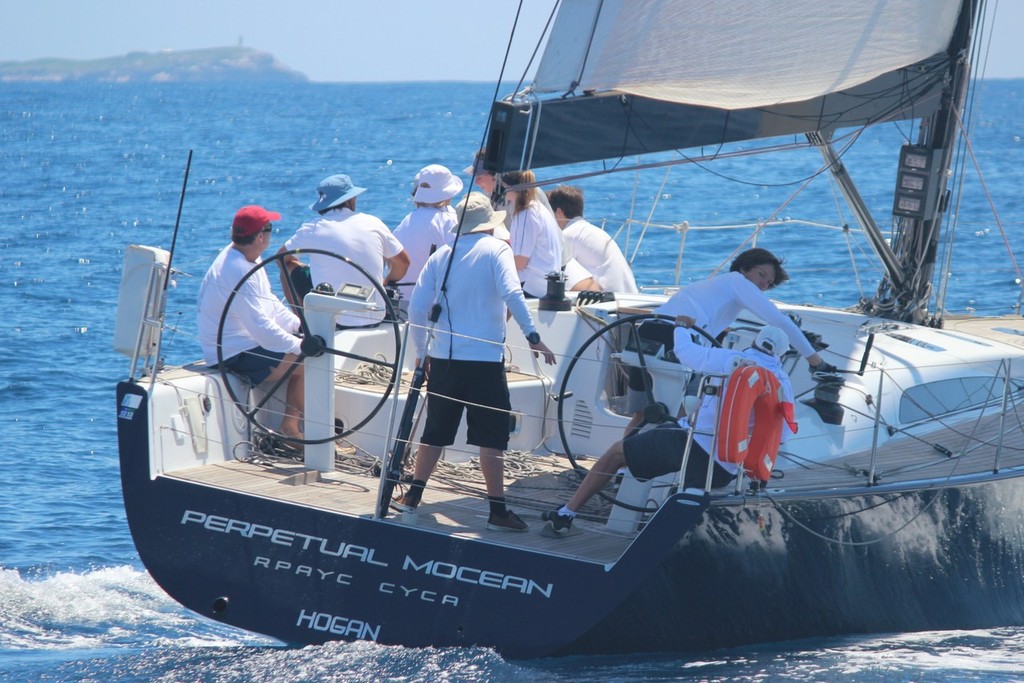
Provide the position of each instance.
(334, 190)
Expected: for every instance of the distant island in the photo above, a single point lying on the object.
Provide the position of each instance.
(217, 64)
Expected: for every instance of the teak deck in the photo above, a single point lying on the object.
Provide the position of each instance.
(454, 502)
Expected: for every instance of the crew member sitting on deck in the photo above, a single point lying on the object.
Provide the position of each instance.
(660, 450)
(360, 237)
(259, 338)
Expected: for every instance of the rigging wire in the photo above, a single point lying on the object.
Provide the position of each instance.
(762, 225)
(536, 47)
(632, 209)
(650, 215)
(967, 150)
(995, 212)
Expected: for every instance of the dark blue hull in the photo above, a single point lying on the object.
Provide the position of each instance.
(697, 578)
(305, 575)
(936, 559)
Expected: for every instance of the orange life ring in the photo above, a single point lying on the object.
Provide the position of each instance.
(755, 443)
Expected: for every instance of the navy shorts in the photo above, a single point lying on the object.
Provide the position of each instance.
(255, 364)
(659, 451)
(479, 387)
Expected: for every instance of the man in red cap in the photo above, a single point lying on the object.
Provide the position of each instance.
(259, 338)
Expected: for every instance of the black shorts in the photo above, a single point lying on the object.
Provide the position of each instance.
(479, 387)
(254, 364)
(659, 451)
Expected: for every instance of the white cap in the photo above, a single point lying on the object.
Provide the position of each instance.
(772, 340)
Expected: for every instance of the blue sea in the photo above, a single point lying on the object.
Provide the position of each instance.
(90, 169)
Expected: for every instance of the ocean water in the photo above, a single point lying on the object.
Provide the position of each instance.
(88, 170)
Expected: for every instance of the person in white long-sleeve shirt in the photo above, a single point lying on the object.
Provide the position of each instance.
(465, 352)
(713, 305)
(259, 338)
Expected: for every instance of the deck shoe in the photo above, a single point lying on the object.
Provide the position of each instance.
(281, 446)
(509, 522)
(559, 525)
(405, 503)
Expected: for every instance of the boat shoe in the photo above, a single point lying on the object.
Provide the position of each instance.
(557, 525)
(509, 522)
(405, 503)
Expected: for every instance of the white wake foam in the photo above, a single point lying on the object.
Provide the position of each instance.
(108, 607)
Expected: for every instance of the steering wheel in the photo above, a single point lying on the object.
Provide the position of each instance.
(653, 411)
(312, 346)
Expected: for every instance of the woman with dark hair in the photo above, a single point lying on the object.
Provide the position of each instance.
(713, 305)
(752, 258)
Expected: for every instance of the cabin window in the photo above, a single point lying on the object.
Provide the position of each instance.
(948, 396)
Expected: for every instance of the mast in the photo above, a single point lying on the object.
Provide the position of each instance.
(922, 194)
(856, 203)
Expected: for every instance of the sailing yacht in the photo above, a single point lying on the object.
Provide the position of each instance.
(894, 508)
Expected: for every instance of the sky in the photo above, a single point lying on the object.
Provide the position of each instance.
(338, 40)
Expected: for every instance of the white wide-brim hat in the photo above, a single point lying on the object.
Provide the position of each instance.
(435, 183)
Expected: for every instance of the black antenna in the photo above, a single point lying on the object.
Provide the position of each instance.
(393, 464)
(177, 221)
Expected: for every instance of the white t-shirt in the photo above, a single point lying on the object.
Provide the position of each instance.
(597, 252)
(358, 236)
(422, 232)
(256, 317)
(482, 282)
(536, 236)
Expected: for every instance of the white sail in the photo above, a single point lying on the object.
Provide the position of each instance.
(740, 53)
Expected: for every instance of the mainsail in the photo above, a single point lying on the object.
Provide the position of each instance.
(738, 54)
(640, 76)
(646, 76)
